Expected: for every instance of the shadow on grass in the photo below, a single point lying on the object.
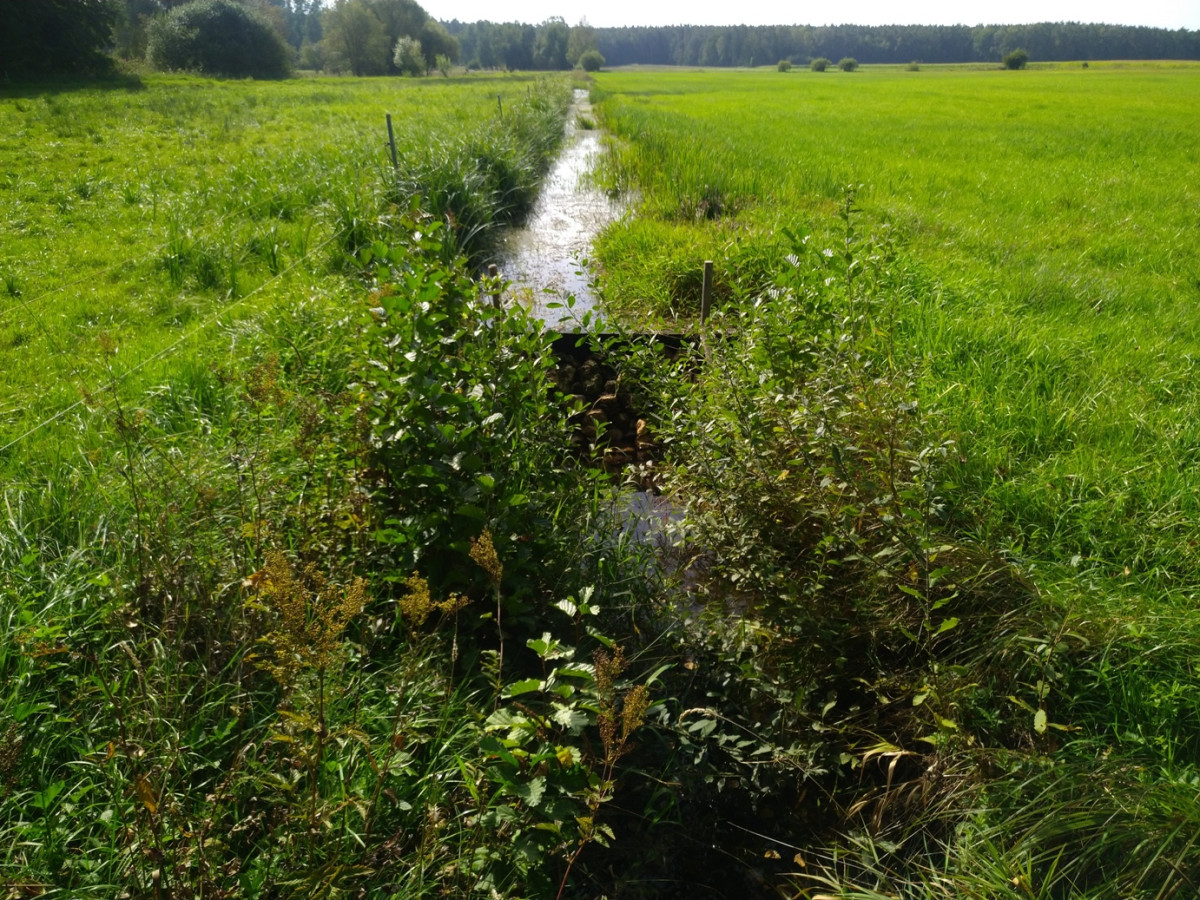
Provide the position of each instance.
(43, 86)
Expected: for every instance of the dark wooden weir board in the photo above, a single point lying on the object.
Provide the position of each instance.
(580, 345)
(611, 425)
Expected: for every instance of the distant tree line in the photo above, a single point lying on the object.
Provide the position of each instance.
(268, 38)
(552, 45)
(746, 45)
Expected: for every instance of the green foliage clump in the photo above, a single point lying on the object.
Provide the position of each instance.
(1017, 59)
(820, 64)
(784, 65)
(407, 57)
(56, 37)
(591, 61)
(218, 37)
(847, 63)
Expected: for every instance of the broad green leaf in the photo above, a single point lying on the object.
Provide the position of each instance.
(517, 688)
(947, 624)
(531, 791)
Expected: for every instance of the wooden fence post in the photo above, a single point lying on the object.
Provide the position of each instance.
(392, 144)
(494, 274)
(706, 291)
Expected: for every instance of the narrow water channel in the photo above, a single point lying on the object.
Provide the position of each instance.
(544, 260)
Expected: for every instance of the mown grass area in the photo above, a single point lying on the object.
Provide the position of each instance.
(1009, 258)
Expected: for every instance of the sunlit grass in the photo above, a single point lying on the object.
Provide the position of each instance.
(131, 218)
(1049, 217)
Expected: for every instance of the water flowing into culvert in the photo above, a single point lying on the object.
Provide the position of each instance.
(545, 260)
(545, 263)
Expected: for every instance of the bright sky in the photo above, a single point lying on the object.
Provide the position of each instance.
(604, 13)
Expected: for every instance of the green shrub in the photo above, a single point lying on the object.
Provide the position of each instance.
(407, 56)
(1018, 59)
(820, 64)
(914, 66)
(218, 37)
(784, 65)
(847, 63)
(591, 61)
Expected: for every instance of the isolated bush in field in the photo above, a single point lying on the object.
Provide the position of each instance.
(784, 65)
(914, 66)
(847, 63)
(1018, 59)
(407, 56)
(218, 37)
(591, 61)
(820, 64)
(444, 64)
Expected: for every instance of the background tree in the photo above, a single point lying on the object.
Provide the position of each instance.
(581, 40)
(591, 61)
(437, 41)
(218, 37)
(56, 37)
(550, 45)
(847, 63)
(131, 30)
(400, 18)
(355, 39)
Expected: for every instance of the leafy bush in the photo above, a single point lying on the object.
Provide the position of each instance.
(407, 56)
(591, 61)
(218, 37)
(784, 65)
(1017, 59)
(847, 63)
(914, 66)
(820, 64)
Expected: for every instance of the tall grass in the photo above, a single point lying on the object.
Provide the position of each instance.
(1030, 240)
(209, 685)
(132, 216)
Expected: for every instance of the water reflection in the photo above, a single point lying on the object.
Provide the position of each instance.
(545, 260)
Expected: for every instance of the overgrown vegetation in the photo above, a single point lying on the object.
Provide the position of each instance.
(948, 627)
(321, 601)
(217, 37)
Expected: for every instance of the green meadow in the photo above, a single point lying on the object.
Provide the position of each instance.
(1009, 259)
(137, 216)
(315, 580)
(1050, 226)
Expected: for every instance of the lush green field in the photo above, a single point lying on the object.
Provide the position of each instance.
(1015, 259)
(134, 216)
(1053, 228)
(303, 594)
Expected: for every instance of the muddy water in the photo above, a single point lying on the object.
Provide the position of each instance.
(545, 259)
